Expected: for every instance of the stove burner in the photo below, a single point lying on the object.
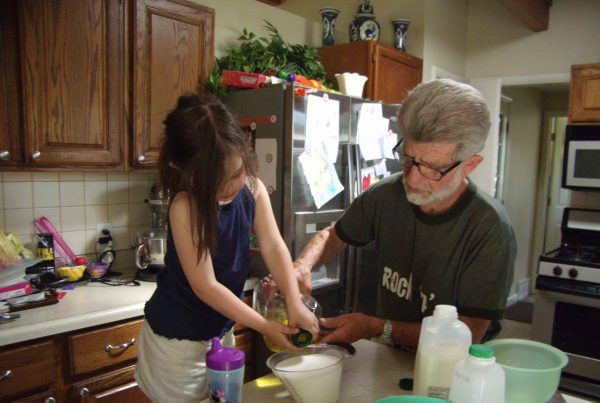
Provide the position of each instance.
(578, 253)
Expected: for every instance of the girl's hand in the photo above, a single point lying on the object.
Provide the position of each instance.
(300, 316)
(279, 335)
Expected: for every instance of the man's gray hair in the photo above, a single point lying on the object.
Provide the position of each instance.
(446, 111)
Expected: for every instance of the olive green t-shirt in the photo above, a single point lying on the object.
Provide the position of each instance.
(464, 257)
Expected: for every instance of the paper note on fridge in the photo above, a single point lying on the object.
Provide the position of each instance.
(323, 126)
(321, 176)
(371, 129)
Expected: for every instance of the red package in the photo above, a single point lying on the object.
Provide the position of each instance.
(245, 80)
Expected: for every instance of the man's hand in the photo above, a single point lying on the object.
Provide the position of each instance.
(304, 278)
(349, 327)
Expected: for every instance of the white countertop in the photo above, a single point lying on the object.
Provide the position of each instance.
(85, 306)
(372, 373)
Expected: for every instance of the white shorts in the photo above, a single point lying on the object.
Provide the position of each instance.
(173, 370)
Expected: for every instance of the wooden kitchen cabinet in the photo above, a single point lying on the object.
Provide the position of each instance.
(89, 365)
(73, 65)
(87, 84)
(245, 340)
(173, 53)
(584, 94)
(391, 73)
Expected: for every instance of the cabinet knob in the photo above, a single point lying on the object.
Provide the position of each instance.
(50, 400)
(85, 392)
(141, 158)
(4, 155)
(36, 155)
(109, 348)
(7, 374)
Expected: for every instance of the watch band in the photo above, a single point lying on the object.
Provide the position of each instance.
(386, 335)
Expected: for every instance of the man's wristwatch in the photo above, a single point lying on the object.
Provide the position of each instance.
(386, 336)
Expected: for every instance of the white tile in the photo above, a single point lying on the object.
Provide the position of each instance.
(139, 214)
(90, 242)
(95, 176)
(51, 213)
(71, 176)
(46, 194)
(72, 218)
(19, 221)
(142, 175)
(2, 221)
(75, 240)
(118, 192)
(95, 192)
(118, 176)
(121, 238)
(18, 195)
(72, 193)
(16, 176)
(138, 191)
(95, 215)
(1, 195)
(118, 215)
(45, 176)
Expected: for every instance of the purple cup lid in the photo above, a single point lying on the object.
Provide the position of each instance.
(222, 358)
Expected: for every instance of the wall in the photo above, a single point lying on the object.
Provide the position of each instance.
(75, 202)
(232, 16)
(500, 46)
(525, 123)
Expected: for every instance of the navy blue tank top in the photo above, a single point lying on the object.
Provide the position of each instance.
(174, 311)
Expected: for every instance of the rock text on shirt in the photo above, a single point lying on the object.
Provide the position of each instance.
(402, 287)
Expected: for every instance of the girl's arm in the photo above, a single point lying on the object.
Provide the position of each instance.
(277, 257)
(201, 277)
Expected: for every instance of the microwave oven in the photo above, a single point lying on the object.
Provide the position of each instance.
(581, 159)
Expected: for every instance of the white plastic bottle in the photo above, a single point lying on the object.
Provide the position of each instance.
(444, 341)
(477, 378)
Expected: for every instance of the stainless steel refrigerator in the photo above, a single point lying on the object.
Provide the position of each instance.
(276, 117)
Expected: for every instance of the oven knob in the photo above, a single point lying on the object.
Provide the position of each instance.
(573, 272)
(557, 270)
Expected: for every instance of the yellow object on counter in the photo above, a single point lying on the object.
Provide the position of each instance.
(73, 273)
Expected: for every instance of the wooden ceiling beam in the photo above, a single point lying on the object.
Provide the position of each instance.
(534, 13)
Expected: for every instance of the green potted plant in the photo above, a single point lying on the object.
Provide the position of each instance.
(268, 56)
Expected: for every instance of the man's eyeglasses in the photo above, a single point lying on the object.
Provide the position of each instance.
(433, 174)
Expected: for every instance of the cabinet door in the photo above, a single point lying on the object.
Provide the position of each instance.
(394, 75)
(116, 386)
(10, 123)
(584, 96)
(73, 82)
(173, 53)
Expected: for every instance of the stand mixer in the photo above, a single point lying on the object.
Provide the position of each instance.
(152, 242)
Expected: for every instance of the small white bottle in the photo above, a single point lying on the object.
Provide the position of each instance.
(444, 341)
(477, 378)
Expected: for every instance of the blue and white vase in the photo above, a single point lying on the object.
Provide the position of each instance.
(329, 14)
(363, 26)
(400, 27)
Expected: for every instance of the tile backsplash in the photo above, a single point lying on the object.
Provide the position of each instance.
(75, 202)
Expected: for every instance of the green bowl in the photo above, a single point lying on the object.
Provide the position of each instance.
(532, 369)
(410, 399)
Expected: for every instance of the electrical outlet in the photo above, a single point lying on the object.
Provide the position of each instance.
(100, 230)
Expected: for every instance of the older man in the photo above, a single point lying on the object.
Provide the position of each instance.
(439, 239)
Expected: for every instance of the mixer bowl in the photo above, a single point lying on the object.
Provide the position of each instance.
(311, 374)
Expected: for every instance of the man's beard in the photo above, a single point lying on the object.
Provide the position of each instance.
(429, 197)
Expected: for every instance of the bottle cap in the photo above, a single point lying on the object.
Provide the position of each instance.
(445, 311)
(302, 339)
(224, 358)
(481, 351)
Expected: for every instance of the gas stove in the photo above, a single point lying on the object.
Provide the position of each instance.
(567, 301)
(574, 267)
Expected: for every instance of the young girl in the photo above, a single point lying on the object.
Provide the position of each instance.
(205, 166)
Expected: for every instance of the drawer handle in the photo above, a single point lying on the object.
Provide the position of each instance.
(6, 375)
(50, 400)
(109, 348)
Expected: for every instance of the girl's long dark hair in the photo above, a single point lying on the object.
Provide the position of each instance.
(200, 134)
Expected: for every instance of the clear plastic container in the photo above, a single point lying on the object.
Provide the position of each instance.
(443, 342)
(224, 373)
(478, 378)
